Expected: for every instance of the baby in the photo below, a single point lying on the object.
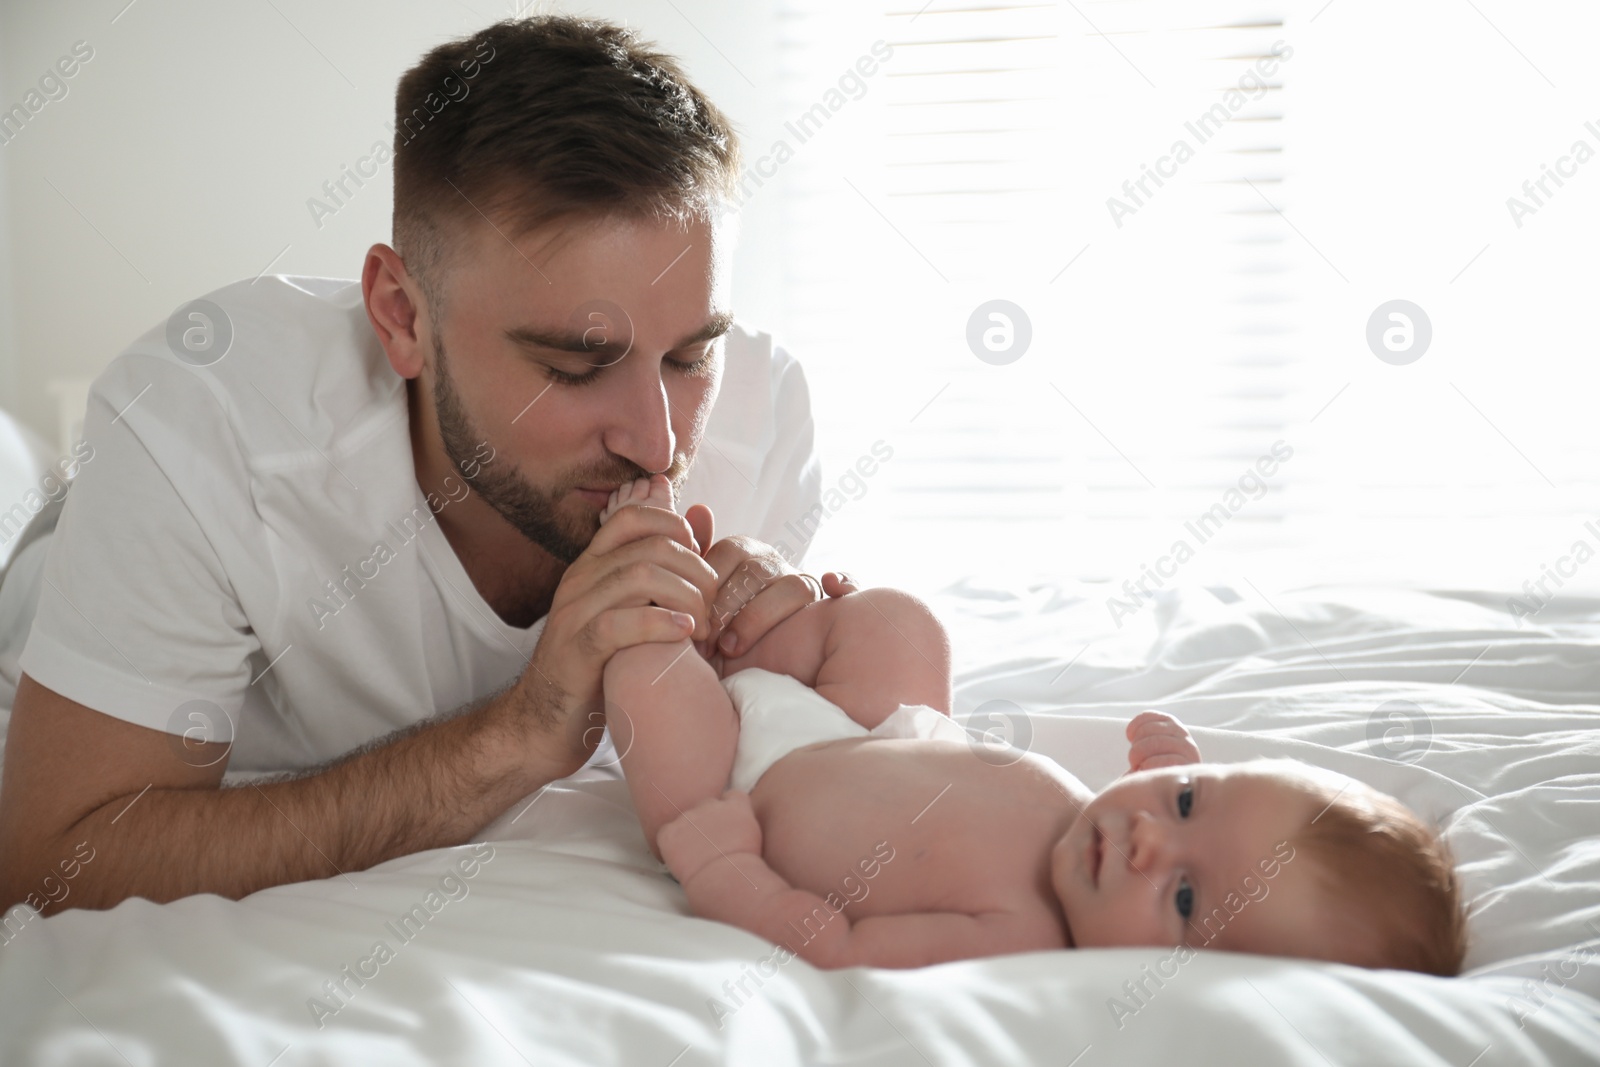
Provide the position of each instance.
(865, 830)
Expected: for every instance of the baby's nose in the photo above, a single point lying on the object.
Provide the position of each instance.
(1147, 842)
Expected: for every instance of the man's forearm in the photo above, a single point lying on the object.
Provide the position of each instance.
(433, 786)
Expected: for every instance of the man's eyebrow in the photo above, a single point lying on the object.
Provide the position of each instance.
(714, 328)
(563, 341)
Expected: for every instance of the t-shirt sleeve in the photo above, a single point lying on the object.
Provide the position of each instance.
(137, 618)
(790, 473)
(757, 466)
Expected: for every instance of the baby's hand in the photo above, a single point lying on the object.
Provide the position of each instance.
(708, 832)
(1157, 740)
(654, 491)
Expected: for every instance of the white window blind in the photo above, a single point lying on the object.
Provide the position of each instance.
(1476, 466)
(1135, 177)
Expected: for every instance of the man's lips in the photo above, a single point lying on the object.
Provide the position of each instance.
(595, 496)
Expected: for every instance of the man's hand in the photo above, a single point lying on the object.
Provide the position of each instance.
(757, 589)
(1157, 740)
(641, 579)
(712, 831)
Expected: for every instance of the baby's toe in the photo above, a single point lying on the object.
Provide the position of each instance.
(659, 491)
(610, 509)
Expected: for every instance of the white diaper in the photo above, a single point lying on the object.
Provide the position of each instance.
(778, 714)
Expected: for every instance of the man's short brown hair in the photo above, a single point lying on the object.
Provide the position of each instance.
(564, 117)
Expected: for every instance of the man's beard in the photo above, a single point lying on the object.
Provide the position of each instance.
(534, 512)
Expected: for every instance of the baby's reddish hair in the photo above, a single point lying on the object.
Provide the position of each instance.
(1372, 851)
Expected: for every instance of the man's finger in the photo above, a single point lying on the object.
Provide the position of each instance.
(838, 583)
(743, 577)
(637, 584)
(621, 628)
(634, 523)
(612, 568)
(729, 554)
(703, 524)
(763, 611)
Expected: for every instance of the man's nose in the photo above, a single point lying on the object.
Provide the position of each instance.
(1149, 845)
(642, 430)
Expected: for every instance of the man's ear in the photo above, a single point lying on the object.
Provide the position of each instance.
(393, 311)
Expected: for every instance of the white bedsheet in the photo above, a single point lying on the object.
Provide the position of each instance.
(570, 946)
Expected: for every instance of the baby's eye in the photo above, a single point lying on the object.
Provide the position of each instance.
(1184, 899)
(1185, 801)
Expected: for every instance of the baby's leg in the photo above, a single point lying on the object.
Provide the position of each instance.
(868, 652)
(670, 719)
(674, 726)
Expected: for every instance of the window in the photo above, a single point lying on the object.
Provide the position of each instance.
(1167, 193)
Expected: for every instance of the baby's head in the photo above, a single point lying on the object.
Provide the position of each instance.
(1272, 856)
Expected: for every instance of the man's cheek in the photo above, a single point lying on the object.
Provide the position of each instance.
(691, 413)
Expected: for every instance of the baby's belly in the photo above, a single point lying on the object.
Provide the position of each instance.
(884, 826)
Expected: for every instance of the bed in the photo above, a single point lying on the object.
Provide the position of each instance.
(566, 944)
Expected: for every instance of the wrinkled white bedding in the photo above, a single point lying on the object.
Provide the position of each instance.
(568, 946)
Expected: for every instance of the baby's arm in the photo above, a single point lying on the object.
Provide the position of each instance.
(715, 852)
(1157, 740)
(926, 938)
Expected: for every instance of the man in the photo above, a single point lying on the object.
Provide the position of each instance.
(368, 550)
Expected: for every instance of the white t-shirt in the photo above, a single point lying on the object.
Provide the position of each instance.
(197, 543)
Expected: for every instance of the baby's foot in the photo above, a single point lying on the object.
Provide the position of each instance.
(712, 830)
(1158, 740)
(654, 491)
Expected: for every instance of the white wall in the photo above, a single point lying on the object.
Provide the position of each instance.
(185, 150)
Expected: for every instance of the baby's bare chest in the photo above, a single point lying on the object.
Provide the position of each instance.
(890, 827)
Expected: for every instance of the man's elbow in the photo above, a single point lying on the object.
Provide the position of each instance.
(45, 876)
(44, 891)
(17, 895)
(10, 897)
